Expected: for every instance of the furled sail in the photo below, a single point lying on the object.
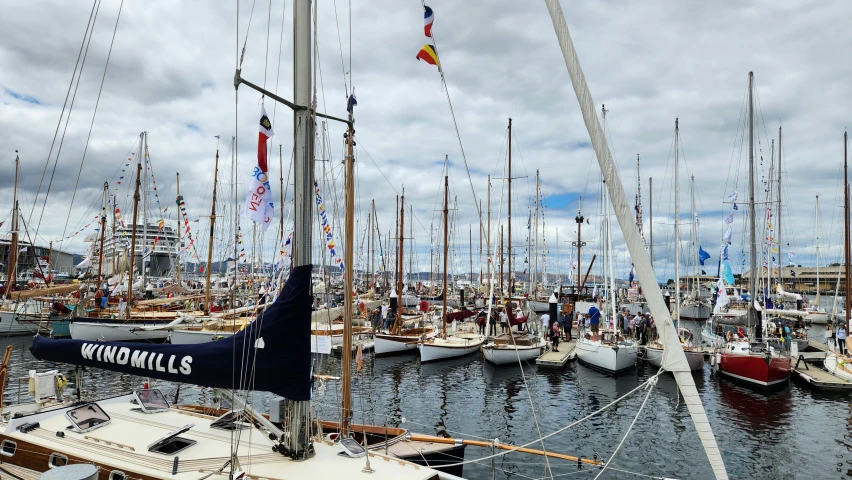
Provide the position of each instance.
(674, 360)
(272, 354)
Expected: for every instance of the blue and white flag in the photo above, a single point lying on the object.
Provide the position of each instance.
(702, 255)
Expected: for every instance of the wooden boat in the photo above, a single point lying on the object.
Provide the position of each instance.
(510, 349)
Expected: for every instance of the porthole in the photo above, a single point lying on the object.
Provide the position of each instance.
(117, 475)
(8, 448)
(57, 460)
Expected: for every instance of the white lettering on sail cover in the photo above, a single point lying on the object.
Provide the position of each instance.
(137, 358)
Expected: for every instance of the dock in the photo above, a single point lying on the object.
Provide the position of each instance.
(567, 353)
(821, 379)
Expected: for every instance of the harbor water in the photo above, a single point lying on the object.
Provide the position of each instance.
(792, 433)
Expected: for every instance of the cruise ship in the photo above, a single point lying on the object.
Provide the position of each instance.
(159, 246)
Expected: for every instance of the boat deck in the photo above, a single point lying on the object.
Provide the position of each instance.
(567, 353)
(821, 379)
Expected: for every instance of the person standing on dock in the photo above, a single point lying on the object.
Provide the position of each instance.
(504, 321)
(841, 339)
(492, 324)
(554, 336)
(480, 321)
(545, 325)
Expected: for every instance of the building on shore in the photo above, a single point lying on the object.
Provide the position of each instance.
(32, 259)
(804, 279)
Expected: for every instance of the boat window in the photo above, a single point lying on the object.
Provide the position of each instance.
(172, 443)
(117, 475)
(151, 400)
(230, 421)
(57, 460)
(87, 417)
(8, 448)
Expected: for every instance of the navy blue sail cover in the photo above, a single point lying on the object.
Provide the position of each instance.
(273, 353)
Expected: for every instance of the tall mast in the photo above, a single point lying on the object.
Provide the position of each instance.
(446, 246)
(144, 264)
(488, 239)
(509, 238)
(651, 219)
(470, 251)
(177, 183)
(534, 253)
(778, 220)
(411, 243)
(847, 243)
(398, 322)
(752, 234)
(431, 256)
(103, 228)
(817, 250)
(348, 281)
(372, 248)
(133, 229)
(676, 225)
(397, 267)
(502, 292)
(480, 243)
(281, 186)
(693, 253)
(114, 238)
(12, 269)
(210, 238)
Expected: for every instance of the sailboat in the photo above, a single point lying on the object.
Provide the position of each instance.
(139, 435)
(654, 351)
(756, 363)
(512, 347)
(814, 313)
(607, 350)
(835, 362)
(457, 345)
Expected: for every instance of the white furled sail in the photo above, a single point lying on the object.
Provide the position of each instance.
(674, 360)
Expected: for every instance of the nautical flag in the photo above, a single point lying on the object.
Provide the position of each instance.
(721, 297)
(792, 273)
(24, 249)
(264, 133)
(702, 255)
(429, 55)
(728, 234)
(428, 19)
(727, 273)
(258, 206)
(359, 358)
(350, 104)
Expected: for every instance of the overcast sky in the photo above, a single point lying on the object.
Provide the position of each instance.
(171, 74)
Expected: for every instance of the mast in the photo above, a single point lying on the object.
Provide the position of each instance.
(411, 244)
(847, 243)
(177, 183)
(752, 234)
(446, 246)
(676, 316)
(398, 321)
(103, 227)
(651, 219)
(509, 238)
(115, 239)
(144, 264)
(817, 250)
(431, 256)
(281, 186)
(502, 292)
(488, 240)
(693, 254)
(397, 267)
(12, 268)
(534, 253)
(372, 248)
(133, 233)
(348, 281)
(778, 220)
(210, 238)
(470, 252)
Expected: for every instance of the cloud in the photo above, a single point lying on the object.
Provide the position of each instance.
(171, 74)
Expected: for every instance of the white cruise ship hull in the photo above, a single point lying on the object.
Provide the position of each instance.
(698, 313)
(453, 347)
(606, 357)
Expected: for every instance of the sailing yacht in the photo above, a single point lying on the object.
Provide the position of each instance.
(654, 351)
(756, 364)
(448, 346)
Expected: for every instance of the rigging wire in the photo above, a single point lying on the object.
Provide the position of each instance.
(92, 123)
(90, 23)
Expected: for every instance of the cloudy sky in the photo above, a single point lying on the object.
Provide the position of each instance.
(170, 73)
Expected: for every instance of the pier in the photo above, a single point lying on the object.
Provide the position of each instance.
(567, 353)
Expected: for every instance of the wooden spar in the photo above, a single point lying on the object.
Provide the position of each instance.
(579, 219)
(502, 446)
(177, 185)
(847, 253)
(132, 255)
(588, 270)
(509, 221)
(444, 288)
(210, 238)
(101, 247)
(397, 324)
(348, 281)
(12, 269)
(4, 370)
